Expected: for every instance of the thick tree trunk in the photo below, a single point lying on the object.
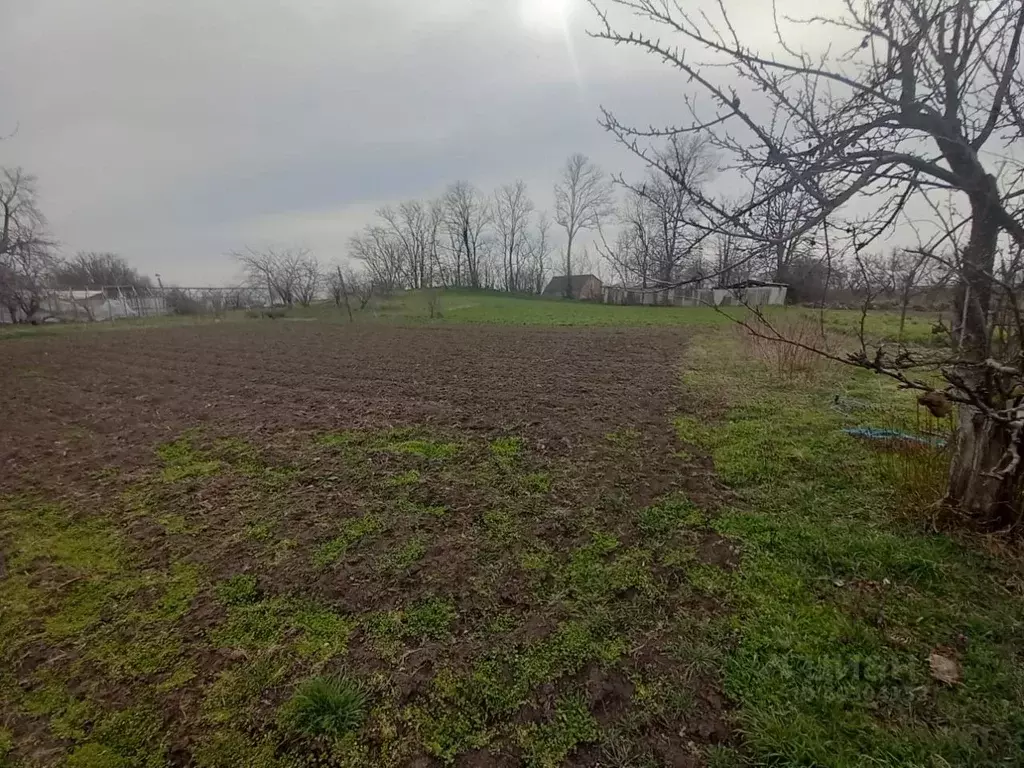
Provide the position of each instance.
(977, 484)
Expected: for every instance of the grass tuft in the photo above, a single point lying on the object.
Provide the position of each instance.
(326, 706)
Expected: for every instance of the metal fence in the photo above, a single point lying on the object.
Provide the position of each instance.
(109, 303)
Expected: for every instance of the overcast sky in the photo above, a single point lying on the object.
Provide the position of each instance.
(171, 131)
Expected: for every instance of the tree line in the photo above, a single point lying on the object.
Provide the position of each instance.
(646, 231)
(467, 238)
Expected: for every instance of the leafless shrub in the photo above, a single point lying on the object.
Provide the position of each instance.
(787, 359)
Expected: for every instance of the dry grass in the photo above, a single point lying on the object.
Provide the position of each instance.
(793, 356)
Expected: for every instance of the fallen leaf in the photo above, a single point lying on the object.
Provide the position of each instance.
(944, 669)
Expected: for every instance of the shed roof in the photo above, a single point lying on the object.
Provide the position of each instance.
(557, 285)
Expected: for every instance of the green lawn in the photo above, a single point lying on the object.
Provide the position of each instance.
(494, 307)
(456, 305)
(844, 592)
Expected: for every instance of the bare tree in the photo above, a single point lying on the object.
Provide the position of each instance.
(436, 223)
(631, 257)
(512, 211)
(655, 240)
(539, 251)
(583, 197)
(904, 273)
(288, 275)
(362, 288)
(784, 214)
(309, 279)
(93, 270)
(415, 227)
(382, 253)
(916, 106)
(467, 220)
(26, 254)
(730, 265)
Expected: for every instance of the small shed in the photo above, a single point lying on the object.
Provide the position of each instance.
(587, 287)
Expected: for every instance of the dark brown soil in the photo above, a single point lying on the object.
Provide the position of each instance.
(73, 404)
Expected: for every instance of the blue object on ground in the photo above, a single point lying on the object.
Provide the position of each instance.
(874, 433)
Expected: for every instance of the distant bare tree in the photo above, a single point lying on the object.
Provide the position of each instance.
(583, 196)
(512, 211)
(468, 217)
(905, 273)
(381, 252)
(288, 275)
(26, 253)
(413, 226)
(785, 214)
(362, 288)
(95, 270)
(436, 223)
(309, 279)
(730, 265)
(656, 237)
(631, 255)
(539, 251)
(340, 283)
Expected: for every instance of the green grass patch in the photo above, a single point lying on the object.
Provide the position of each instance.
(668, 515)
(507, 450)
(409, 553)
(429, 619)
(466, 710)
(240, 589)
(839, 602)
(182, 460)
(235, 690)
(352, 531)
(132, 737)
(548, 744)
(428, 449)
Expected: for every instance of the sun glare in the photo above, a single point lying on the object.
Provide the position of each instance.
(545, 15)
